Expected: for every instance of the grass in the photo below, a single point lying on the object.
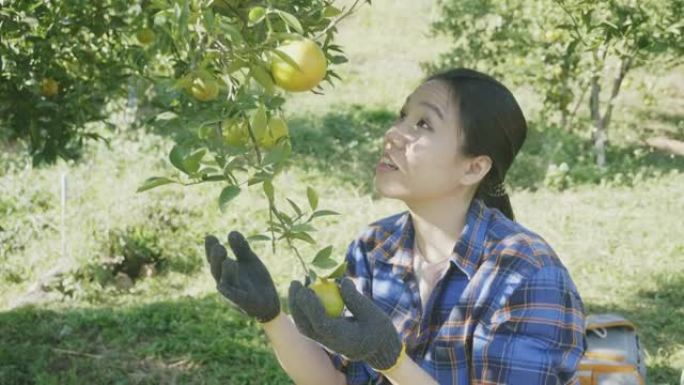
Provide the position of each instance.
(186, 340)
(618, 232)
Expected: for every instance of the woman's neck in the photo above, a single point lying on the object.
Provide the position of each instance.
(437, 225)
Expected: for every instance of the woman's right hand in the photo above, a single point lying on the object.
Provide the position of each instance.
(245, 282)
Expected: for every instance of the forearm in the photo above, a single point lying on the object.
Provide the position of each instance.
(302, 359)
(408, 372)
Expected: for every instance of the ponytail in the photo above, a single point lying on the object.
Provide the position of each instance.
(492, 124)
(495, 196)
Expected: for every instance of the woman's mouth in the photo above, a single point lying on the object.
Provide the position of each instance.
(385, 164)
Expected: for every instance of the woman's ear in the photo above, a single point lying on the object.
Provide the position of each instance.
(476, 169)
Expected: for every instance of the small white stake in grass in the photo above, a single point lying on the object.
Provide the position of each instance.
(64, 200)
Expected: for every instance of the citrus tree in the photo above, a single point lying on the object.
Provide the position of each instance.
(228, 66)
(566, 49)
(60, 62)
(215, 73)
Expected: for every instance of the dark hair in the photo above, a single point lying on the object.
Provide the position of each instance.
(493, 124)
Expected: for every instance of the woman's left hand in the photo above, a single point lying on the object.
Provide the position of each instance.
(369, 336)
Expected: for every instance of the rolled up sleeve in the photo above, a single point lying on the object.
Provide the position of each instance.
(536, 337)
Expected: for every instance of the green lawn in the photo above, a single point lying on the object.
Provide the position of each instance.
(620, 233)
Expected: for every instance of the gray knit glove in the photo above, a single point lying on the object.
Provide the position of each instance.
(369, 336)
(246, 282)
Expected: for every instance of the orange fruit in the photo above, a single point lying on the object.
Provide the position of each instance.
(553, 35)
(277, 128)
(201, 85)
(49, 87)
(329, 294)
(256, 14)
(145, 36)
(310, 59)
(235, 134)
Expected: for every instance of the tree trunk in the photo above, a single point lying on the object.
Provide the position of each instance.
(579, 102)
(599, 134)
(625, 64)
(601, 123)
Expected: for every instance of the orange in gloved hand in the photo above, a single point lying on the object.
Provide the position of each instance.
(329, 294)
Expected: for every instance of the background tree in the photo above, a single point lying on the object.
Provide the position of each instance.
(564, 49)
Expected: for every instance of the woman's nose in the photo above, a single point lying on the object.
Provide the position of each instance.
(394, 138)
(391, 140)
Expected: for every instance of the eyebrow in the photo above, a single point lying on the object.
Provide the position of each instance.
(431, 106)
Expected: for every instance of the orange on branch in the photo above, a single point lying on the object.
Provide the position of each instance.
(201, 85)
(49, 87)
(310, 70)
(236, 134)
(145, 36)
(277, 128)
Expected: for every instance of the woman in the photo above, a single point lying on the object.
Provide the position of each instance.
(452, 291)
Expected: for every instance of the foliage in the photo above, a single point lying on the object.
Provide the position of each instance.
(60, 62)
(166, 325)
(204, 67)
(564, 48)
(164, 329)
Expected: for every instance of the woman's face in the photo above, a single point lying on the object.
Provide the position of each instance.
(425, 146)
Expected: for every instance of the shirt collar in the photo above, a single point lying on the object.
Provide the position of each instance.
(397, 248)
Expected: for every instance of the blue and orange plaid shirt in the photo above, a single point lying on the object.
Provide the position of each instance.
(505, 312)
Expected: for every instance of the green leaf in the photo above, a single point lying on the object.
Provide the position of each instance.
(214, 178)
(280, 36)
(153, 182)
(231, 31)
(256, 15)
(313, 198)
(258, 238)
(334, 47)
(324, 263)
(321, 213)
(220, 160)
(254, 180)
(322, 259)
(259, 122)
(268, 189)
(262, 77)
(291, 20)
(295, 207)
(286, 58)
(339, 271)
(209, 20)
(312, 276)
(192, 161)
(177, 155)
(302, 227)
(304, 237)
(338, 59)
(208, 170)
(228, 194)
(285, 218)
(168, 115)
(275, 156)
(331, 11)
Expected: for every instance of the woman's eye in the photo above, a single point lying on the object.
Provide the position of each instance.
(423, 124)
(400, 118)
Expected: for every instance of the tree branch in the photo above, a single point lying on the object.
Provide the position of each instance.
(625, 64)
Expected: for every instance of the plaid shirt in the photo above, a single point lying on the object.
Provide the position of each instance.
(505, 312)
